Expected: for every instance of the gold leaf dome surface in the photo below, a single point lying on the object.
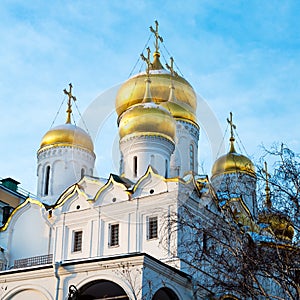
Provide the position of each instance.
(147, 118)
(233, 162)
(179, 112)
(280, 225)
(67, 135)
(132, 91)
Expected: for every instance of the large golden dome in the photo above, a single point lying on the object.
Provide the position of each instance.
(132, 91)
(233, 162)
(147, 118)
(67, 135)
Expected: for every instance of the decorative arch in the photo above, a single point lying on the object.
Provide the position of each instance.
(165, 293)
(150, 183)
(110, 192)
(34, 292)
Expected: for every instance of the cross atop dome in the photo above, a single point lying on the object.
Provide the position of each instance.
(171, 67)
(268, 202)
(156, 65)
(232, 127)
(70, 98)
(147, 60)
(147, 95)
(157, 36)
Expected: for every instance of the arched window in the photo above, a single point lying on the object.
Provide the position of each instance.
(192, 157)
(165, 294)
(47, 181)
(82, 172)
(135, 166)
(166, 168)
(101, 289)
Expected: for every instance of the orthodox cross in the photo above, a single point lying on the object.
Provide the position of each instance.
(171, 67)
(232, 126)
(71, 97)
(157, 36)
(147, 60)
(267, 189)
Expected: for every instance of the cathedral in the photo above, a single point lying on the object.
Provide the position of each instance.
(133, 235)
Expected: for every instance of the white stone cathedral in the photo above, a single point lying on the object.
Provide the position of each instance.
(89, 238)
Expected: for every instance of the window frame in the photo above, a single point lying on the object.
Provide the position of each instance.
(192, 157)
(135, 166)
(47, 180)
(149, 229)
(77, 247)
(112, 240)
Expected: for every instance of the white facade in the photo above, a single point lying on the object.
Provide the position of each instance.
(138, 275)
(92, 207)
(236, 184)
(60, 167)
(139, 152)
(120, 236)
(185, 156)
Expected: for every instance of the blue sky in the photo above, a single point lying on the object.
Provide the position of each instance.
(240, 56)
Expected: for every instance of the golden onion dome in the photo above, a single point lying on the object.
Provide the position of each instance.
(132, 91)
(147, 118)
(179, 112)
(233, 162)
(281, 225)
(67, 135)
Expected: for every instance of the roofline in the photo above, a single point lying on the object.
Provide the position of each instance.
(15, 193)
(98, 259)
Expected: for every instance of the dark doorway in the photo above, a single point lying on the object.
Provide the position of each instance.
(165, 294)
(102, 289)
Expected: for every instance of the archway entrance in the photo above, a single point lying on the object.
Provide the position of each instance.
(102, 289)
(165, 294)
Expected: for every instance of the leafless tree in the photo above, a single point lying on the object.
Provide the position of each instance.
(285, 181)
(231, 255)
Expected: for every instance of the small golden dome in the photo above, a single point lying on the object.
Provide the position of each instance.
(233, 162)
(147, 118)
(281, 226)
(132, 91)
(179, 112)
(67, 135)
